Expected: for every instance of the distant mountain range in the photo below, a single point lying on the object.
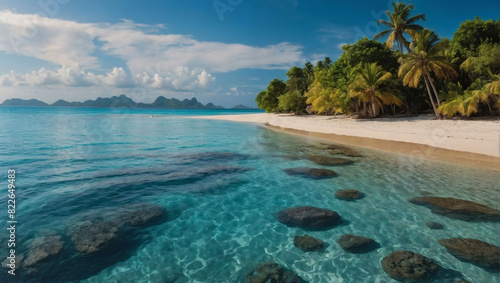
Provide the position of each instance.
(120, 102)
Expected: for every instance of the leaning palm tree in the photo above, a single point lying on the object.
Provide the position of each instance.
(400, 23)
(462, 102)
(487, 91)
(427, 57)
(369, 86)
(468, 102)
(493, 88)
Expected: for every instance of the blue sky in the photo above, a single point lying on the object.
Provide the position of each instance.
(222, 51)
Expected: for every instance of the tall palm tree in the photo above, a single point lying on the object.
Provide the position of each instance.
(369, 86)
(400, 23)
(427, 57)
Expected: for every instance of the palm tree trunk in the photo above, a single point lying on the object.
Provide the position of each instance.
(401, 50)
(430, 97)
(374, 107)
(433, 87)
(488, 103)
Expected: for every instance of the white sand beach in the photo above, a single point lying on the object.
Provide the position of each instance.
(477, 141)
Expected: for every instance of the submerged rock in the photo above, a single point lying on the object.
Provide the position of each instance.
(18, 261)
(435, 225)
(313, 173)
(309, 217)
(343, 150)
(329, 161)
(308, 243)
(42, 248)
(458, 208)
(213, 170)
(477, 252)
(142, 214)
(356, 244)
(92, 235)
(348, 194)
(271, 272)
(406, 265)
(211, 157)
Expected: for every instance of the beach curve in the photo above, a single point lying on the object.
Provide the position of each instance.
(475, 143)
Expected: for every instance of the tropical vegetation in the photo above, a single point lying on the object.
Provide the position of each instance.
(369, 86)
(413, 71)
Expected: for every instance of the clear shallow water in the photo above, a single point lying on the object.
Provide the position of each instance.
(220, 223)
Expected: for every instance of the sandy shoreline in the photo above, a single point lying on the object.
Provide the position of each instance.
(475, 143)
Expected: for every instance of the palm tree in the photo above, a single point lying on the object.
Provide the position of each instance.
(323, 99)
(369, 87)
(493, 87)
(400, 23)
(463, 102)
(466, 103)
(427, 57)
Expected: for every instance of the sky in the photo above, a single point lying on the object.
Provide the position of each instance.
(220, 51)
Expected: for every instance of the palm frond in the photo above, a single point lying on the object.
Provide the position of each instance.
(416, 18)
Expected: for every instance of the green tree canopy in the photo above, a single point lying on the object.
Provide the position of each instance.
(487, 60)
(268, 99)
(471, 34)
(297, 80)
(293, 101)
(367, 51)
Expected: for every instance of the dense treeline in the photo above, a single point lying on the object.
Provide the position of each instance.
(414, 71)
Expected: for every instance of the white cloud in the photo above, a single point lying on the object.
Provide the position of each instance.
(180, 79)
(235, 90)
(185, 63)
(67, 76)
(64, 43)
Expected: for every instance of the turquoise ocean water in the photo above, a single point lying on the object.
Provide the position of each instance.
(221, 184)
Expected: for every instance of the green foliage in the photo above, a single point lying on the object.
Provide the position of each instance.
(370, 86)
(297, 80)
(323, 98)
(367, 51)
(323, 65)
(292, 101)
(468, 102)
(268, 99)
(486, 60)
(473, 33)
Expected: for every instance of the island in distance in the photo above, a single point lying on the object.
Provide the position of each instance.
(122, 101)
